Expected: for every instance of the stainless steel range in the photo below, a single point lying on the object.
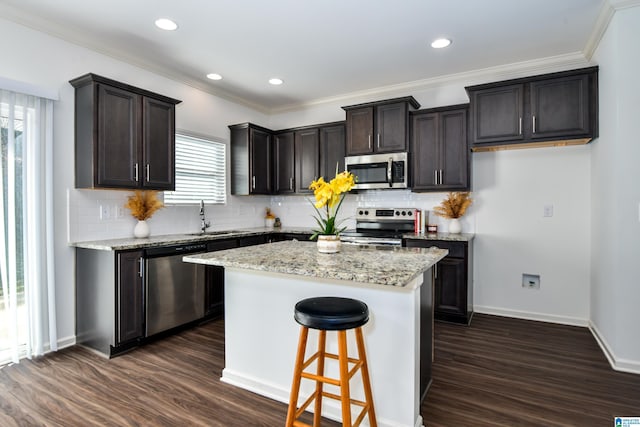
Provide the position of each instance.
(380, 226)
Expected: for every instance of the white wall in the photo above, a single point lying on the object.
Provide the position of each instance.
(615, 291)
(510, 189)
(556, 248)
(48, 62)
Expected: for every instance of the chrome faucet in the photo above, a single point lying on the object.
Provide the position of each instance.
(203, 224)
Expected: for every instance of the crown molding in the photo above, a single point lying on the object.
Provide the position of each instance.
(479, 76)
(607, 11)
(70, 35)
(484, 75)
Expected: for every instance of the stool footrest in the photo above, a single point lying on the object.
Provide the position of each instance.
(356, 362)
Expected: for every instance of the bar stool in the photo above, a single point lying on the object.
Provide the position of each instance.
(331, 314)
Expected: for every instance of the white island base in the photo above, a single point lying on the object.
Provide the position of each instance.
(261, 339)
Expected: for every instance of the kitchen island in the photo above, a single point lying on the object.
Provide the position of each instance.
(264, 282)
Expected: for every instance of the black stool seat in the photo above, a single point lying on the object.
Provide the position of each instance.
(331, 313)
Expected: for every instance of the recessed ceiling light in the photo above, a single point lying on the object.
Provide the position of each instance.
(440, 43)
(214, 76)
(166, 24)
(276, 81)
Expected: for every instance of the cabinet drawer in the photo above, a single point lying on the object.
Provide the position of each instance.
(252, 240)
(456, 249)
(220, 245)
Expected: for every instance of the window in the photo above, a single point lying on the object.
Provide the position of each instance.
(200, 171)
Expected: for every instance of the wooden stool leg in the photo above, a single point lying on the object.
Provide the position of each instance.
(317, 412)
(364, 370)
(344, 378)
(297, 377)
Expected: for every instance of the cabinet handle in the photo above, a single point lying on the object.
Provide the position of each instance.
(253, 182)
(147, 171)
(435, 176)
(435, 271)
(440, 176)
(520, 126)
(534, 124)
(135, 169)
(378, 140)
(291, 183)
(140, 266)
(369, 141)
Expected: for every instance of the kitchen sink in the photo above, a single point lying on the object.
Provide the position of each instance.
(215, 233)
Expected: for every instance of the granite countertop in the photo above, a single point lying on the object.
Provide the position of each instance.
(177, 239)
(379, 265)
(451, 237)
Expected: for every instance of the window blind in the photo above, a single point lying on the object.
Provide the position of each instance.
(200, 171)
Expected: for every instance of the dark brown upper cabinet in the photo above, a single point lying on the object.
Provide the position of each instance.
(303, 154)
(250, 159)
(440, 149)
(124, 136)
(379, 127)
(307, 155)
(546, 110)
(284, 167)
(332, 149)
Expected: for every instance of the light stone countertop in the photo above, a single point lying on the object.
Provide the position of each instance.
(177, 239)
(378, 265)
(451, 237)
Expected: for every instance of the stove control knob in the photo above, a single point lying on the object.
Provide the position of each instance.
(397, 213)
(404, 213)
(409, 213)
(366, 213)
(360, 212)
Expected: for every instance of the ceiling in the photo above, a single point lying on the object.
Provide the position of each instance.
(321, 48)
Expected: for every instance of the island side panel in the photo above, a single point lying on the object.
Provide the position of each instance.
(261, 340)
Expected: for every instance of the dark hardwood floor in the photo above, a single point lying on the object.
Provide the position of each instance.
(510, 372)
(498, 371)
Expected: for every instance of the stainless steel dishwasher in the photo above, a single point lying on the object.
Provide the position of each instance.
(174, 289)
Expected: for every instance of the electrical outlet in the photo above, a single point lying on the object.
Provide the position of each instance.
(548, 211)
(118, 211)
(531, 281)
(105, 212)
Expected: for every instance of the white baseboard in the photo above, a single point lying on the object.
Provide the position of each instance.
(530, 315)
(330, 408)
(66, 342)
(618, 364)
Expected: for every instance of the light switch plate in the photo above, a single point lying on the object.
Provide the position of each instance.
(105, 212)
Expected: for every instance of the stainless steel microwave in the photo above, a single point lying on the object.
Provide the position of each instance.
(379, 170)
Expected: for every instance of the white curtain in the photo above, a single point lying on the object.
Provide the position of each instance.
(27, 305)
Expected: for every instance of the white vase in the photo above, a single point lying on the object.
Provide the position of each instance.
(454, 226)
(141, 230)
(328, 243)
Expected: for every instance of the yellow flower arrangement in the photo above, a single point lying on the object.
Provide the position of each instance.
(143, 204)
(454, 206)
(329, 195)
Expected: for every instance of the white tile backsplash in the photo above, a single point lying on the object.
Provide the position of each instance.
(84, 222)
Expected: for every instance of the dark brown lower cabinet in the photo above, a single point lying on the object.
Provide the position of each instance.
(214, 276)
(110, 289)
(453, 285)
(130, 296)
